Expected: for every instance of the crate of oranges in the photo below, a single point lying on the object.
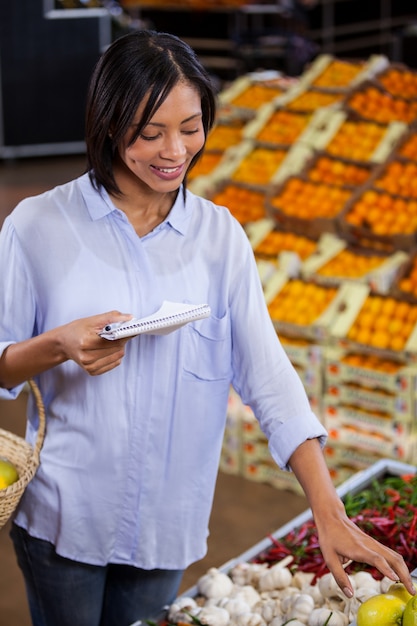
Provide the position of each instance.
(323, 167)
(206, 165)
(335, 262)
(373, 102)
(329, 72)
(225, 134)
(397, 176)
(407, 145)
(276, 126)
(375, 323)
(254, 163)
(300, 308)
(405, 283)
(373, 371)
(275, 242)
(244, 201)
(308, 99)
(398, 80)
(303, 206)
(247, 95)
(362, 141)
(379, 220)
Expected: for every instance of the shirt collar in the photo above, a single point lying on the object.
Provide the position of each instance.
(99, 205)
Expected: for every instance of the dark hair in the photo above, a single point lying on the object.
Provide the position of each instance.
(142, 64)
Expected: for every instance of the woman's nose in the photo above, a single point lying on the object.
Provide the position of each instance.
(173, 147)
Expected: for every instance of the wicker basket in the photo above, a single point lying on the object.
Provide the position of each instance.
(23, 456)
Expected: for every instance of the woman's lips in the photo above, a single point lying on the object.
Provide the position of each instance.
(168, 173)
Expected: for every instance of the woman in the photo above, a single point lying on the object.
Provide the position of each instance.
(121, 501)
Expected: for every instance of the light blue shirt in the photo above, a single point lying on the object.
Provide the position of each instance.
(130, 458)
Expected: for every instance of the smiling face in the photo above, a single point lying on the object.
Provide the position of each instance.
(158, 159)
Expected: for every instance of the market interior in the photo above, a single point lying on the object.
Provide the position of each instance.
(245, 511)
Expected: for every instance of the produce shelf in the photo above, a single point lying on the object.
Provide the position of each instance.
(353, 485)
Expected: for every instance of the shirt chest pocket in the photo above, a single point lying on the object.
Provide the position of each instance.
(207, 349)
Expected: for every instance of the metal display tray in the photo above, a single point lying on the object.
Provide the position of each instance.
(353, 485)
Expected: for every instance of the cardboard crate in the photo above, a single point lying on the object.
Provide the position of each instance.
(406, 89)
(330, 247)
(314, 225)
(396, 428)
(317, 330)
(303, 352)
(402, 279)
(249, 92)
(312, 379)
(367, 440)
(276, 126)
(352, 128)
(270, 473)
(351, 299)
(338, 171)
(328, 71)
(348, 366)
(307, 99)
(400, 406)
(246, 202)
(406, 146)
(405, 113)
(396, 176)
(277, 248)
(337, 455)
(361, 234)
(252, 163)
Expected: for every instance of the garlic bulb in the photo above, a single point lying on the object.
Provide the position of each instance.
(301, 608)
(214, 584)
(314, 592)
(246, 593)
(234, 606)
(178, 612)
(247, 573)
(385, 584)
(288, 601)
(213, 616)
(276, 577)
(250, 619)
(269, 609)
(365, 579)
(302, 579)
(319, 616)
(363, 593)
(329, 587)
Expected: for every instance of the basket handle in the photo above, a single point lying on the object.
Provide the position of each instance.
(42, 419)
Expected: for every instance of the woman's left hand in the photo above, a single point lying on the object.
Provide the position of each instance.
(340, 539)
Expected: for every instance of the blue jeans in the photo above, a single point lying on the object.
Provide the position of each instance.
(67, 593)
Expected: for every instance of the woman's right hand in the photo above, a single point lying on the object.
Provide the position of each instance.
(81, 343)
(78, 341)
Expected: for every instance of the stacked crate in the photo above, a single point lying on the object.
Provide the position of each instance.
(370, 380)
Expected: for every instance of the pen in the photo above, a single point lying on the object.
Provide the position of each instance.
(109, 327)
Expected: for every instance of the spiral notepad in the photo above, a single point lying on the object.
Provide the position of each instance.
(169, 317)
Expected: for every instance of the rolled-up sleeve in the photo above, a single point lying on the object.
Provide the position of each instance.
(263, 374)
(16, 302)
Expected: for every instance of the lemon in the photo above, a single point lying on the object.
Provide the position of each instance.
(8, 473)
(410, 612)
(383, 609)
(398, 589)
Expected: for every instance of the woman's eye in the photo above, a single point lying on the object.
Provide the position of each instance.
(149, 137)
